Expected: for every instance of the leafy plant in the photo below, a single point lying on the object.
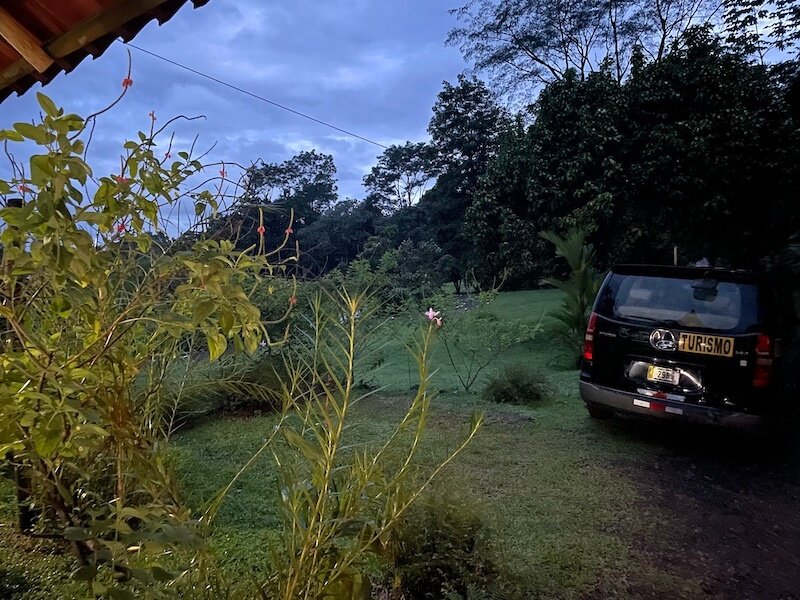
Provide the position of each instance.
(473, 337)
(517, 384)
(95, 305)
(340, 501)
(438, 549)
(579, 290)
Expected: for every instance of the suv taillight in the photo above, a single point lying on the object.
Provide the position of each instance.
(588, 339)
(763, 371)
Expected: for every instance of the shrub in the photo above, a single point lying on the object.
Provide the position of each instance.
(579, 290)
(516, 384)
(473, 337)
(438, 550)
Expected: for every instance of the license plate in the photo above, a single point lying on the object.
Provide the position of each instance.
(710, 345)
(663, 375)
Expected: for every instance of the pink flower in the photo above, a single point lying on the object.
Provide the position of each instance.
(432, 314)
(289, 231)
(127, 82)
(292, 300)
(261, 229)
(120, 179)
(23, 188)
(167, 155)
(121, 228)
(438, 321)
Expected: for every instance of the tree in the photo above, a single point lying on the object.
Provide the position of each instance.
(698, 150)
(500, 222)
(282, 198)
(305, 182)
(337, 236)
(524, 44)
(466, 129)
(401, 175)
(758, 26)
(711, 158)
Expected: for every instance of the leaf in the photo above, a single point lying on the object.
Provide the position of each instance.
(98, 588)
(91, 429)
(251, 341)
(202, 310)
(11, 136)
(216, 345)
(62, 306)
(304, 446)
(226, 321)
(47, 105)
(41, 169)
(32, 132)
(161, 574)
(46, 439)
(120, 594)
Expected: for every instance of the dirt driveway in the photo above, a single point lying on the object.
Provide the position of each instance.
(717, 511)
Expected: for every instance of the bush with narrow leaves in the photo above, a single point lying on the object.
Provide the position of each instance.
(517, 384)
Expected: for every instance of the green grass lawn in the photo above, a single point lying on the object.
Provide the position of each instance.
(398, 372)
(538, 475)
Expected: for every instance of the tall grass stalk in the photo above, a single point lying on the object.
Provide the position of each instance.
(340, 500)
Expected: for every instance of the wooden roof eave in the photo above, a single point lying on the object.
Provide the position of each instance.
(92, 37)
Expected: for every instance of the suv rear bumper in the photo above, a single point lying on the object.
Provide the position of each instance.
(666, 409)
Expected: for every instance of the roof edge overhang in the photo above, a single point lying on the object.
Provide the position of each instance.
(123, 19)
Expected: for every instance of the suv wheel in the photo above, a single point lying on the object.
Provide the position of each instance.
(596, 411)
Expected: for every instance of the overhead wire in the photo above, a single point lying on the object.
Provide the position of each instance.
(256, 96)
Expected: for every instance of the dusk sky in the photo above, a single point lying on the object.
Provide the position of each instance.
(370, 67)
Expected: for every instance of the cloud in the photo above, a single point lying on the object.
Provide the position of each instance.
(373, 68)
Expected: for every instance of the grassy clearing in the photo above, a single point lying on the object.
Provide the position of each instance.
(538, 475)
(397, 371)
(558, 516)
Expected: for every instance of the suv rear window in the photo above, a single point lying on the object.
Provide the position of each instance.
(705, 303)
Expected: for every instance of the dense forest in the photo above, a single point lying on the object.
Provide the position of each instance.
(657, 128)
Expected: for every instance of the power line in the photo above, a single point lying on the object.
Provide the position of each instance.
(257, 97)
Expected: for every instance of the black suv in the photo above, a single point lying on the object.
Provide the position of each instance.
(697, 344)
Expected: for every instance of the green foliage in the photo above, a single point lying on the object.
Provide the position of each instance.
(93, 311)
(400, 277)
(759, 26)
(284, 198)
(339, 503)
(673, 156)
(579, 290)
(439, 550)
(517, 384)
(401, 175)
(474, 336)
